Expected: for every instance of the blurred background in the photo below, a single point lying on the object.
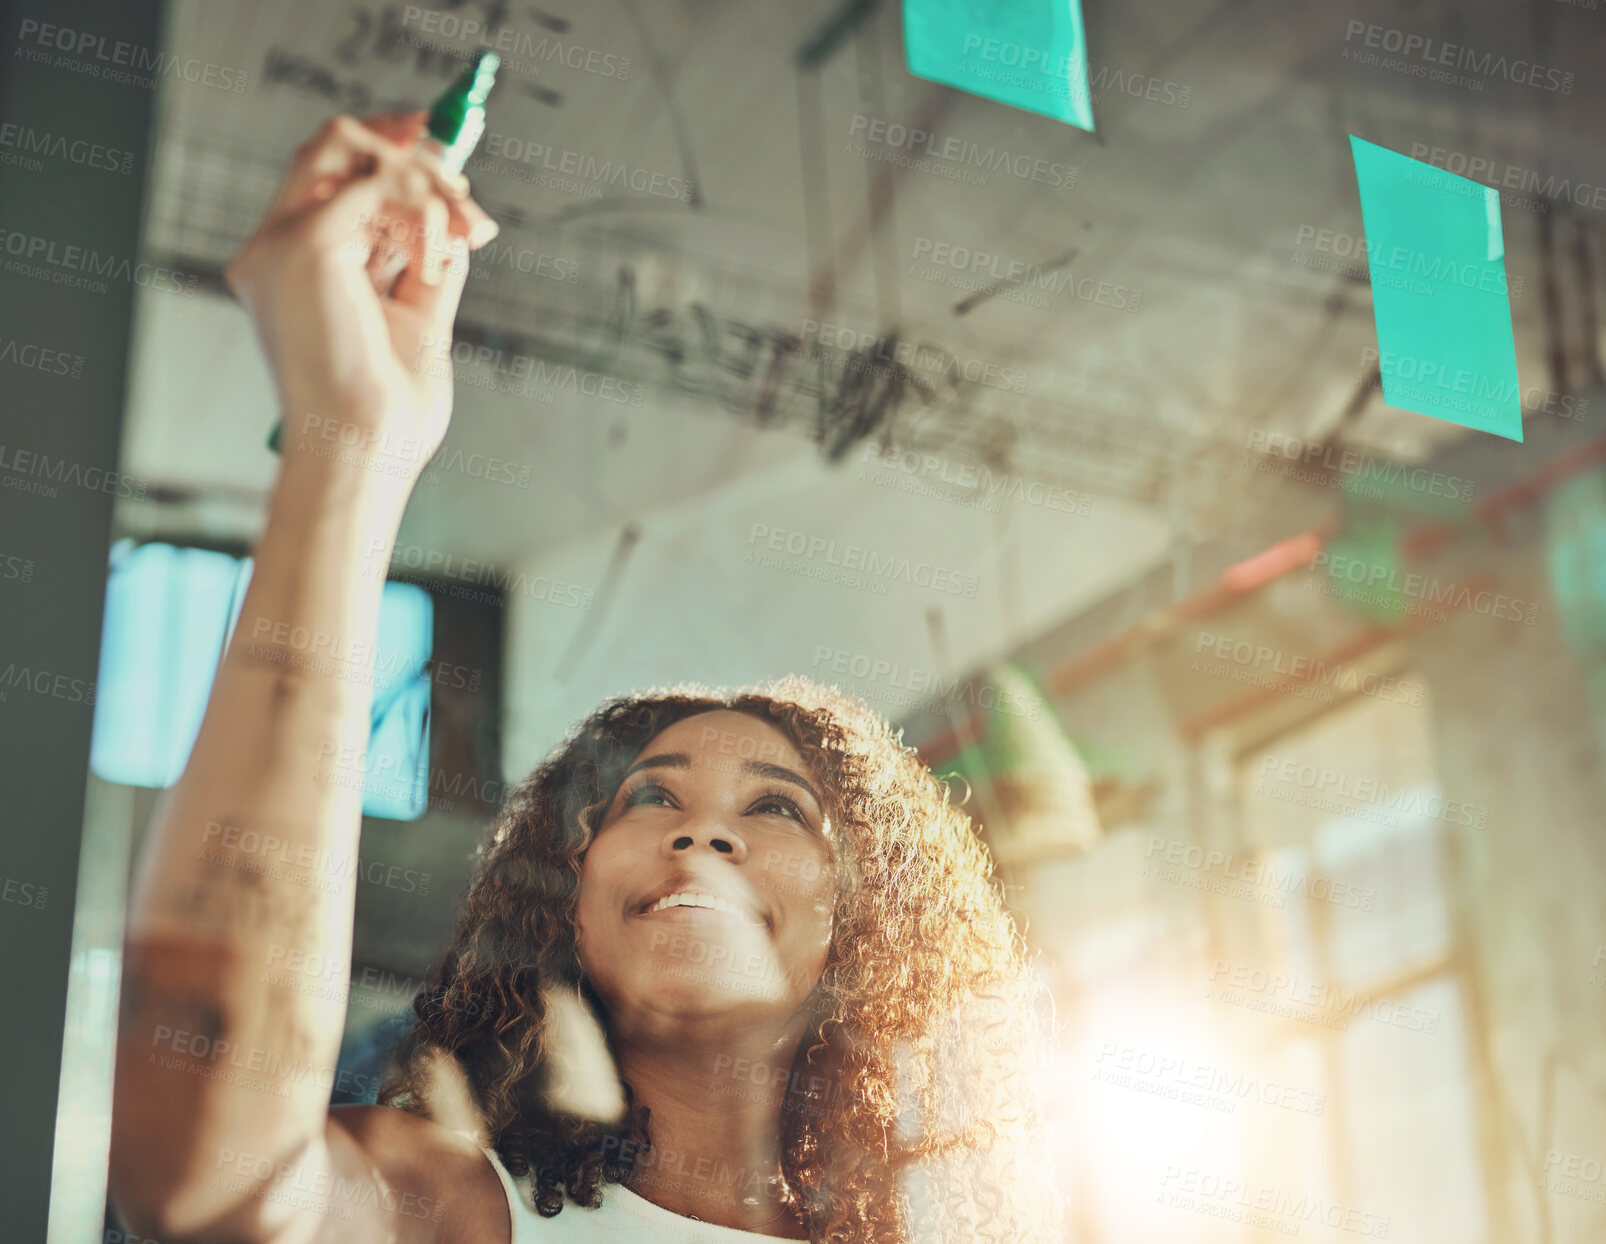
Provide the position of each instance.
(1282, 710)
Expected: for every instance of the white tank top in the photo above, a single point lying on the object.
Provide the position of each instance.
(623, 1218)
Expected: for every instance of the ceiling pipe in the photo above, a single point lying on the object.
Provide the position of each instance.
(1243, 578)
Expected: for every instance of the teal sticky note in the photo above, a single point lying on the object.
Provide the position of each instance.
(1028, 54)
(1439, 292)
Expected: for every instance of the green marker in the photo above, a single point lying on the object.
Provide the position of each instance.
(457, 119)
(456, 123)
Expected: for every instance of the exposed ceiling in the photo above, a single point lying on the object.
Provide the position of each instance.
(1221, 154)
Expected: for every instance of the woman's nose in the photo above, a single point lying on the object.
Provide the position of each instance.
(706, 835)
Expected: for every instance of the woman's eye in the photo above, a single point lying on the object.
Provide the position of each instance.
(644, 794)
(776, 804)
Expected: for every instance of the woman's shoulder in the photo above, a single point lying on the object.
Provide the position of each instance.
(465, 1195)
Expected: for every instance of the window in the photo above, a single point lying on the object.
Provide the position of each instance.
(169, 614)
(1346, 812)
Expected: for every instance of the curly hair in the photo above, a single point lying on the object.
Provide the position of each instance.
(929, 1029)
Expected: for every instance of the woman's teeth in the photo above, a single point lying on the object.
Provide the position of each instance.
(699, 900)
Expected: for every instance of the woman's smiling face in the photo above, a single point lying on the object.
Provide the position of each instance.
(710, 886)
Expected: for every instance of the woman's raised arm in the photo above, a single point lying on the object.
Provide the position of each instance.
(243, 897)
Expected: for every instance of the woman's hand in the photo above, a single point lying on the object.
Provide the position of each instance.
(364, 379)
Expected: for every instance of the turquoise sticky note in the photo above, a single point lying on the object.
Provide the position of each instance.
(1439, 292)
(1028, 54)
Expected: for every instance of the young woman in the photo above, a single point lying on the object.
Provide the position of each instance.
(812, 1010)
